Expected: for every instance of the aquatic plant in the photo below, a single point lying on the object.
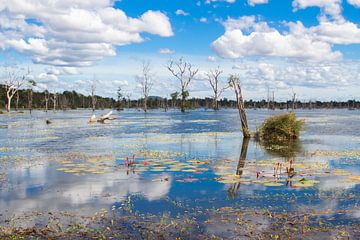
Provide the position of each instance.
(280, 128)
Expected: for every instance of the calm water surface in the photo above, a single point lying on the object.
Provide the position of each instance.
(183, 164)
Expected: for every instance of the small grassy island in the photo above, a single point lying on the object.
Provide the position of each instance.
(280, 128)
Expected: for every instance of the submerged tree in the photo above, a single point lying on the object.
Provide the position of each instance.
(31, 84)
(213, 78)
(174, 96)
(128, 97)
(54, 100)
(14, 79)
(46, 97)
(119, 96)
(185, 73)
(293, 102)
(93, 97)
(234, 82)
(146, 82)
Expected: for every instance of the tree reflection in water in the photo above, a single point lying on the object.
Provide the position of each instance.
(287, 150)
(234, 189)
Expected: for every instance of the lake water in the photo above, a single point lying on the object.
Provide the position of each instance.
(184, 164)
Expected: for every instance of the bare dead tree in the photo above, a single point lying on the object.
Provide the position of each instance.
(93, 97)
(31, 84)
(234, 82)
(14, 79)
(47, 97)
(185, 73)
(146, 82)
(213, 77)
(293, 102)
(128, 96)
(17, 101)
(174, 96)
(54, 100)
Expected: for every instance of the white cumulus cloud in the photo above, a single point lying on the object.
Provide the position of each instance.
(355, 3)
(246, 37)
(166, 51)
(254, 2)
(329, 7)
(181, 12)
(73, 33)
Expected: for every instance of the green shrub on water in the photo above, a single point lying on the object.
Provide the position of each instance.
(1, 112)
(283, 127)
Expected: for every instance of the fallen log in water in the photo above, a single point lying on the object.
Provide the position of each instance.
(102, 118)
(106, 117)
(92, 119)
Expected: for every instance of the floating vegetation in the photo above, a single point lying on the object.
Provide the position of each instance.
(2, 177)
(305, 183)
(190, 183)
(95, 164)
(327, 153)
(158, 154)
(352, 179)
(272, 173)
(219, 223)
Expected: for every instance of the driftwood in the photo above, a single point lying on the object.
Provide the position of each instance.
(102, 118)
(92, 119)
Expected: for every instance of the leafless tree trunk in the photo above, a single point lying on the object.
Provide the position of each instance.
(234, 82)
(14, 80)
(30, 99)
(93, 97)
(174, 96)
(54, 100)
(213, 78)
(146, 82)
(165, 104)
(47, 96)
(128, 96)
(293, 102)
(185, 73)
(17, 101)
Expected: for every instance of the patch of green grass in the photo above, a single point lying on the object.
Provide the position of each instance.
(283, 127)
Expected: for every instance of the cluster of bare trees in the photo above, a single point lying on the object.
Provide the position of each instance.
(14, 80)
(184, 72)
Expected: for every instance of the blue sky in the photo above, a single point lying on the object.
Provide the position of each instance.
(310, 47)
(201, 35)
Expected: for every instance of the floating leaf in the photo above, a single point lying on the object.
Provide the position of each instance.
(273, 184)
(305, 183)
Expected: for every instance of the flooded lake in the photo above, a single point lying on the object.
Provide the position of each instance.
(193, 165)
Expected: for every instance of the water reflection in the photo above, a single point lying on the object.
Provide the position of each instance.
(233, 191)
(42, 188)
(284, 149)
(190, 151)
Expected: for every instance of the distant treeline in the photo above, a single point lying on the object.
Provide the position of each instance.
(74, 100)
